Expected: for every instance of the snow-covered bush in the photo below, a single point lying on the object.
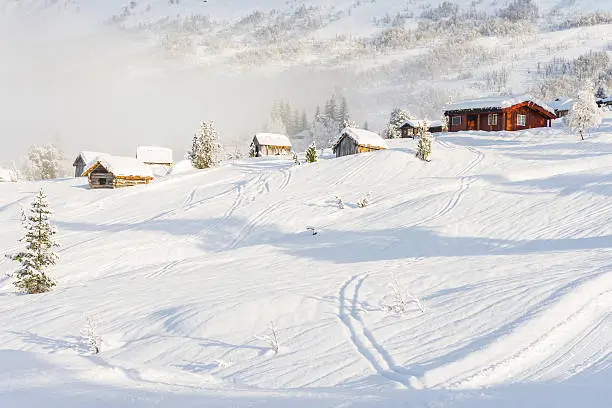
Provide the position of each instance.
(43, 162)
(396, 119)
(91, 338)
(445, 10)
(38, 254)
(311, 153)
(364, 201)
(270, 337)
(205, 148)
(400, 301)
(585, 20)
(585, 113)
(519, 10)
(340, 202)
(252, 150)
(424, 146)
(296, 159)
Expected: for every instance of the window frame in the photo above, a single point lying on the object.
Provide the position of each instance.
(518, 120)
(455, 123)
(492, 119)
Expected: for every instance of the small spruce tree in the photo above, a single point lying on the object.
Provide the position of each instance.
(205, 148)
(252, 150)
(584, 114)
(38, 255)
(311, 153)
(424, 146)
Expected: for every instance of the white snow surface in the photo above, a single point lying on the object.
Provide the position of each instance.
(273, 139)
(364, 137)
(7, 175)
(506, 238)
(154, 154)
(498, 102)
(561, 103)
(122, 166)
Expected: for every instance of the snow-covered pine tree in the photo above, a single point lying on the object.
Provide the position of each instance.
(304, 122)
(311, 153)
(252, 150)
(38, 254)
(445, 123)
(397, 119)
(424, 146)
(205, 148)
(585, 113)
(346, 123)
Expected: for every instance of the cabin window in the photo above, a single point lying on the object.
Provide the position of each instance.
(493, 119)
(521, 120)
(102, 181)
(456, 120)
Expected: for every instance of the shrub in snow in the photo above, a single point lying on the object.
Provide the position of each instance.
(311, 153)
(205, 148)
(584, 114)
(397, 119)
(424, 147)
(400, 301)
(364, 201)
(252, 150)
(271, 338)
(90, 335)
(296, 160)
(43, 162)
(519, 10)
(340, 202)
(38, 255)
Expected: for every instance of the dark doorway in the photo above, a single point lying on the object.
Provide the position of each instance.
(471, 122)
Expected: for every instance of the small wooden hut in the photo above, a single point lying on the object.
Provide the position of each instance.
(410, 128)
(561, 106)
(155, 155)
(271, 144)
(501, 113)
(353, 141)
(82, 160)
(115, 171)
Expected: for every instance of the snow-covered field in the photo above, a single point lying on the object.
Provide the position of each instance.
(506, 238)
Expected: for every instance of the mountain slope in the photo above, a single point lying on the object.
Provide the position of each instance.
(505, 238)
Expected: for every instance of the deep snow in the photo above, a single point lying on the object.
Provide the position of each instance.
(505, 237)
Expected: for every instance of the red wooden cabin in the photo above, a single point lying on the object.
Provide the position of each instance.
(496, 114)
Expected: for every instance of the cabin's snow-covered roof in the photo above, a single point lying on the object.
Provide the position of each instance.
(154, 154)
(7, 175)
(273, 139)
(561, 103)
(363, 137)
(121, 166)
(416, 123)
(89, 156)
(499, 102)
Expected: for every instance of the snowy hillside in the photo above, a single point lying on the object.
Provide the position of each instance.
(146, 72)
(506, 240)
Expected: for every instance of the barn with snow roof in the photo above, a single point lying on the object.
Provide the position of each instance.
(116, 171)
(271, 144)
(500, 113)
(410, 128)
(83, 159)
(353, 141)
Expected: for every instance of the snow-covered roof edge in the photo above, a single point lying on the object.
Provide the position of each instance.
(154, 155)
(273, 139)
(501, 102)
(362, 137)
(121, 166)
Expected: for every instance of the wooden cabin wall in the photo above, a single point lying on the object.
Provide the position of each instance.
(347, 146)
(101, 180)
(506, 120)
(534, 118)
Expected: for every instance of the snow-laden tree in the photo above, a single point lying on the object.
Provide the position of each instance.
(205, 148)
(397, 119)
(445, 123)
(38, 254)
(324, 131)
(276, 125)
(43, 162)
(252, 150)
(424, 146)
(585, 113)
(311, 153)
(347, 122)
